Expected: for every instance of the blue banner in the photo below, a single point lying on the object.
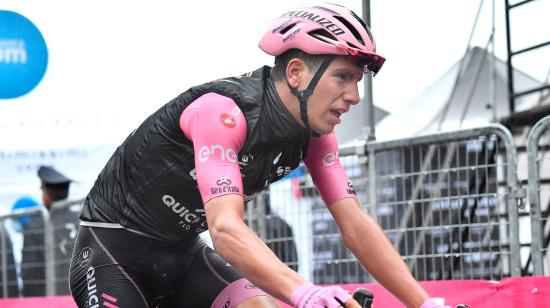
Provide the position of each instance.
(23, 55)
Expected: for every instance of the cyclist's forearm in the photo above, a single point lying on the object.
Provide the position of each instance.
(239, 246)
(254, 260)
(386, 265)
(369, 244)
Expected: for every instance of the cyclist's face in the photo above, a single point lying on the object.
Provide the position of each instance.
(334, 94)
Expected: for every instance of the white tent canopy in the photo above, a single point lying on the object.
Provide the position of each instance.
(476, 100)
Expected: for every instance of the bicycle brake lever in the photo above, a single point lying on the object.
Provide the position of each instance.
(364, 297)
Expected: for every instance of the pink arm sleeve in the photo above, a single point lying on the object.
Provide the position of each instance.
(217, 128)
(329, 176)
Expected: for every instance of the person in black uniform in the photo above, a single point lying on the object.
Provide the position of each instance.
(194, 163)
(278, 235)
(280, 238)
(55, 188)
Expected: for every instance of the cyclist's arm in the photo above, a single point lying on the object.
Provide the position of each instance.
(237, 244)
(326, 170)
(364, 237)
(218, 130)
(359, 232)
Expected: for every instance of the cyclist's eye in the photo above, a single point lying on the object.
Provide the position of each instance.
(344, 76)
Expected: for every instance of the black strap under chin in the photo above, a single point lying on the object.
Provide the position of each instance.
(303, 95)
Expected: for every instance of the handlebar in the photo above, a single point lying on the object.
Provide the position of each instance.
(363, 298)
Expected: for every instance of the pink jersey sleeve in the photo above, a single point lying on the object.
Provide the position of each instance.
(329, 176)
(217, 128)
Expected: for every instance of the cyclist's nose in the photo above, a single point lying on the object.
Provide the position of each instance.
(351, 95)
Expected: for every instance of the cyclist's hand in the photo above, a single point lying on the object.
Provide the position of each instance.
(312, 296)
(430, 303)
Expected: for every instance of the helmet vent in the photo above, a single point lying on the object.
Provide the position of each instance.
(352, 45)
(323, 33)
(326, 9)
(361, 21)
(285, 30)
(351, 29)
(364, 25)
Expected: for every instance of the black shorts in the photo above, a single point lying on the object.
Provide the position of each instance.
(119, 268)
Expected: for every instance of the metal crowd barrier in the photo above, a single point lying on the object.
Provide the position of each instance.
(453, 212)
(47, 239)
(9, 286)
(447, 201)
(538, 150)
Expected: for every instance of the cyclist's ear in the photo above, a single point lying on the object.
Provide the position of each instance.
(296, 72)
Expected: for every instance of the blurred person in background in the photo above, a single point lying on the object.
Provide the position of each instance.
(10, 269)
(12, 235)
(55, 189)
(23, 203)
(278, 234)
(16, 232)
(280, 238)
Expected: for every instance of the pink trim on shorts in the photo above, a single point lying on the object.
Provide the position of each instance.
(235, 293)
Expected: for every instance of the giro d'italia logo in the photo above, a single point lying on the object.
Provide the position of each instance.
(23, 55)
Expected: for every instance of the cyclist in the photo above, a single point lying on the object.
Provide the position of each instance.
(193, 164)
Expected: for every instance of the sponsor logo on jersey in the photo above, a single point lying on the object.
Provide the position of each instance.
(224, 186)
(217, 151)
(246, 159)
(84, 257)
(350, 189)
(223, 181)
(329, 159)
(283, 171)
(228, 121)
(93, 299)
(189, 217)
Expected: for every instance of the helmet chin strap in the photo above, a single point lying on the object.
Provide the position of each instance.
(303, 95)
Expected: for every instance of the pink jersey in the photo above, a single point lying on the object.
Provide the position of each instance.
(326, 171)
(217, 128)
